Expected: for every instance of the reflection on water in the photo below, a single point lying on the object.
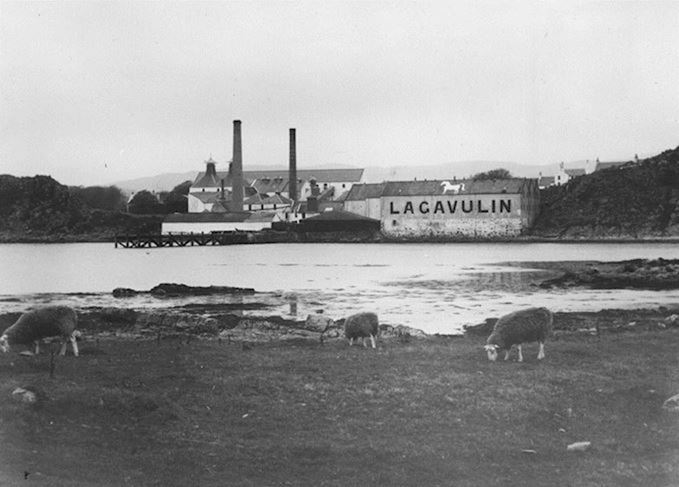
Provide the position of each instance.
(435, 287)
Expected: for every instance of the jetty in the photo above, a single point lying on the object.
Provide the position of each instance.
(184, 240)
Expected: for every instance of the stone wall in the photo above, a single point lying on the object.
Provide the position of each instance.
(454, 216)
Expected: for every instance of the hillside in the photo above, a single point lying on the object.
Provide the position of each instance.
(37, 209)
(637, 200)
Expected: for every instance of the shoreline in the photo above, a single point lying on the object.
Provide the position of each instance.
(258, 238)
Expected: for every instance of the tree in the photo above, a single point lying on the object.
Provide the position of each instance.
(100, 198)
(492, 174)
(145, 203)
(176, 201)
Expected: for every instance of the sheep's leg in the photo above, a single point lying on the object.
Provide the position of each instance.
(541, 353)
(63, 348)
(74, 345)
(351, 342)
(507, 353)
(37, 347)
(520, 355)
(372, 341)
(363, 341)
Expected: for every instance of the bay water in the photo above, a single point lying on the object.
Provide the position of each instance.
(437, 287)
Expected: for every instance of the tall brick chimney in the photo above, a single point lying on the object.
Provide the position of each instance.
(237, 170)
(292, 177)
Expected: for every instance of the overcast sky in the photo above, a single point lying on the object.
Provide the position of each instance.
(95, 92)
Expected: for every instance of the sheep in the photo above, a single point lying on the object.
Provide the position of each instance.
(362, 325)
(34, 325)
(533, 324)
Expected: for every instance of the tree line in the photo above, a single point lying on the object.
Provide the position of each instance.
(111, 198)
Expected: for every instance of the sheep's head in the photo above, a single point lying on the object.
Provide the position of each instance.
(4, 344)
(492, 351)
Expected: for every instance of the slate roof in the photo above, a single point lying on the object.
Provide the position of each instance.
(211, 197)
(575, 172)
(269, 185)
(277, 199)
(361, 192)
(320, 175)
(208, 178)
(464, 186)
(546, 181)
(206, 217)
(339, 215)
(220, 217)
(607, 165)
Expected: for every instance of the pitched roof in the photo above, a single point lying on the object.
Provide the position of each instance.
(575, 172)
(211, 197)
(339, 215)
(466, 186)
(360, 192)
(208, 178)
(270, 185)
(277, 199)
(546, 181)
(255, 199)
(607, 165)
(206, 217)
(320, 175)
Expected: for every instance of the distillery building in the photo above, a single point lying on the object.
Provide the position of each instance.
(440, 209)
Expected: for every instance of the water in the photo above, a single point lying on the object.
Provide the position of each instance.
(434, 287)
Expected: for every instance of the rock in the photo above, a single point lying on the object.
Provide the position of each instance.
(672, 404)
(579, 446)
(672, 320)
(402, 330)
(318, 322)
(172, 289)
(24, 395)
(483, 329)
(124, 292)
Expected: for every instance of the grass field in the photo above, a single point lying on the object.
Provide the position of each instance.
(424, 413)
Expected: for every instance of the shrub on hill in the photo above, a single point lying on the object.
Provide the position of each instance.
(40, 209)
(638, 199)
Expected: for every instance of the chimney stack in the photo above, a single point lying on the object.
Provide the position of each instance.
(292, 179)
(237, 170)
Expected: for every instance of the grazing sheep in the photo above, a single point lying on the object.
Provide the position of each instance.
(34, 325)
(361, 325)
(529, 325)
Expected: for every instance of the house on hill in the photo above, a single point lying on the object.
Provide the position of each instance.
(564, 175)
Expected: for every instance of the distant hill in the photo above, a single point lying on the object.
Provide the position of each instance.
(373, 174)
(638, 199)
(161, 182)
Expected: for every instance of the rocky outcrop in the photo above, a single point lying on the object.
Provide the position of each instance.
(172, 290)
(637, 274)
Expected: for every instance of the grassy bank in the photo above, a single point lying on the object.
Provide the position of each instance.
(424, 412)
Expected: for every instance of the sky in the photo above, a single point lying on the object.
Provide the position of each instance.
(96, 92)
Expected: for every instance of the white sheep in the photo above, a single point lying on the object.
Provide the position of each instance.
(525, 326)
(362, 325)
(34, 325)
